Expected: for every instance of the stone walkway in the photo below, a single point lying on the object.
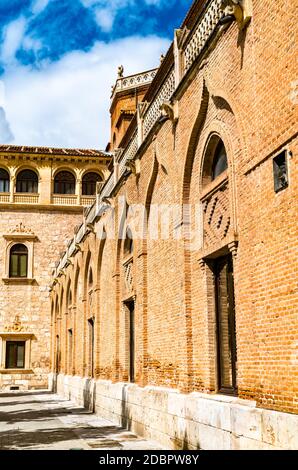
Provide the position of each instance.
(44, 421)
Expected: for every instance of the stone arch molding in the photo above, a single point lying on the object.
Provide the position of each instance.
(226, 130)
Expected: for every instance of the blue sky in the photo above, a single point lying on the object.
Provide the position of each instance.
(59, 58)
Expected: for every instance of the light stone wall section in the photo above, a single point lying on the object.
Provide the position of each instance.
(184, 421)
(44, 222)
(31, 301)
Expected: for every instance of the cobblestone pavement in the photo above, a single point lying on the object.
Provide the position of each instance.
(44, 421)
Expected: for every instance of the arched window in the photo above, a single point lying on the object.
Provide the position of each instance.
(220, 161)
(128, 244)
(89, 183)
(64, 183)
(4, 181)
(18, 261)
(27, 182)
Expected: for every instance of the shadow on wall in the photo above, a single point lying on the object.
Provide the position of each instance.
(54, 383)
(183, 443)
(179, 442)
(125, 419)
(89, 395)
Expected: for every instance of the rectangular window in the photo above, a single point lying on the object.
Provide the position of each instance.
(15, 355)
(14, 266)
(226, 327)
(18, 265)
(280, 171)
(4, 186)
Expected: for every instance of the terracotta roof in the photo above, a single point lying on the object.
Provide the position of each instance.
(53, 151)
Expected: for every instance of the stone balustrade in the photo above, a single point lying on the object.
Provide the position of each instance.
(202, 33)
(126, 83)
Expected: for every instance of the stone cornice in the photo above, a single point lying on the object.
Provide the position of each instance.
(102, 160)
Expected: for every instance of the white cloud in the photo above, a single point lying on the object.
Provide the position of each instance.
(105, 11)
(6, 135)
(38, 6)
(105, 19)
(12, 39)
(67, 103)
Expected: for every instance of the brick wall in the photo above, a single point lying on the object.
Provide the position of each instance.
(241, 92)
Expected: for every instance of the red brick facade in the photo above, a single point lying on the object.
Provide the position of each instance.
(241, 90)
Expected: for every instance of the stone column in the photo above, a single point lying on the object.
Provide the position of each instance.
(178, 59)
(79, 191)
(12, 188)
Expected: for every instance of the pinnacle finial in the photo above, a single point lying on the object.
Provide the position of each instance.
(120, 71)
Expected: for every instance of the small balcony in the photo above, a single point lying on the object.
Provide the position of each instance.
(65, 200)
(26, 198)
(19, 198)
(56, 200)
(4, 197)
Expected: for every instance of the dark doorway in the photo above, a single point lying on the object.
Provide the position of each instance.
(226, 326)
(57, 354)
(70, 340)
(91, 347)
(131, 336)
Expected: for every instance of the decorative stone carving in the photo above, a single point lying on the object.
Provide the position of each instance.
(167, 110)
(20, 232)
(108, 201)
(120, 71)
(241, 9)
(68, 262)
(20, 228)
(128, 275)
(134, 166)
(217, 219)
(16, 326)
(90, 228)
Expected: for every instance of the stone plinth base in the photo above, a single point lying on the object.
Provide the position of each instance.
(179, 421)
